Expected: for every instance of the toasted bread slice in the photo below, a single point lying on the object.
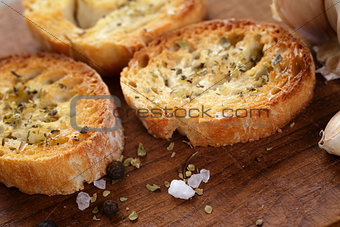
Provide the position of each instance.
(41, 151)
(106, 33)
(220, 82)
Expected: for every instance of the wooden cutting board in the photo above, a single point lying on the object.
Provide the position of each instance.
(292, 183)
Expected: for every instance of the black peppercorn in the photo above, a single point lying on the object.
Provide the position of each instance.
(110, 208)
(48, 223)
(116, 170)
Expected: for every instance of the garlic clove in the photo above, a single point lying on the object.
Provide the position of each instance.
(333, 14)
(331, 136)
(305, 16)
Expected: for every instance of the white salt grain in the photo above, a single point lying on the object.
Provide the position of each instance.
(83, 200)
(195, 180)
(179, 189)
(205, 174)
(101, 184)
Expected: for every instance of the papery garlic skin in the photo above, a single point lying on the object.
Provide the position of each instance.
(329, 55)
(333, 14)
(331, 136)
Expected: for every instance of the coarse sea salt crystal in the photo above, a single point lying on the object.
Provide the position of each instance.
(83, 200)
(195, 180)
(179, 189)
(205, 174)
(101, 184)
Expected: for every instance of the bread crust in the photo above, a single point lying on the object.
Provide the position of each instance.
(64, 168)
(283, 106)
(107, 52)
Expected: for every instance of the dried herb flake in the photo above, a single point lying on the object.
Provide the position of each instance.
(95, 210)
(153, 187)
(259, 222)
(106, 193)
(166, 184)
(94, 198)
(199, 191)
(191, 167)
(208, 209)
(133, 216)
(127, 162)
(95, 218)
(123, 199)
(224, 42)
(277, 59)
(182, 44)
(141, 151)
(136, 163)
(84, 130)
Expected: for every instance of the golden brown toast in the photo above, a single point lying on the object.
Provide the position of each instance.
(41, 151)
(253, 77)
(106, 33)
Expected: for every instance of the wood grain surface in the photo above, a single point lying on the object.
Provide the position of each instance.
(292, 184)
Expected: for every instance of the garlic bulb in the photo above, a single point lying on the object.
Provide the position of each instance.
(305, 16)
(319, 22)
(331, 136)
(332, 8)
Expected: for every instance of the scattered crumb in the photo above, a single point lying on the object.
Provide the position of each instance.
(258, 159)
(292, 125)
(279, 130)
(171, 146)
(173, 154)
(269, 148)
(259, 222)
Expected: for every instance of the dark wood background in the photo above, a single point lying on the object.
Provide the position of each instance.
(293, 184)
